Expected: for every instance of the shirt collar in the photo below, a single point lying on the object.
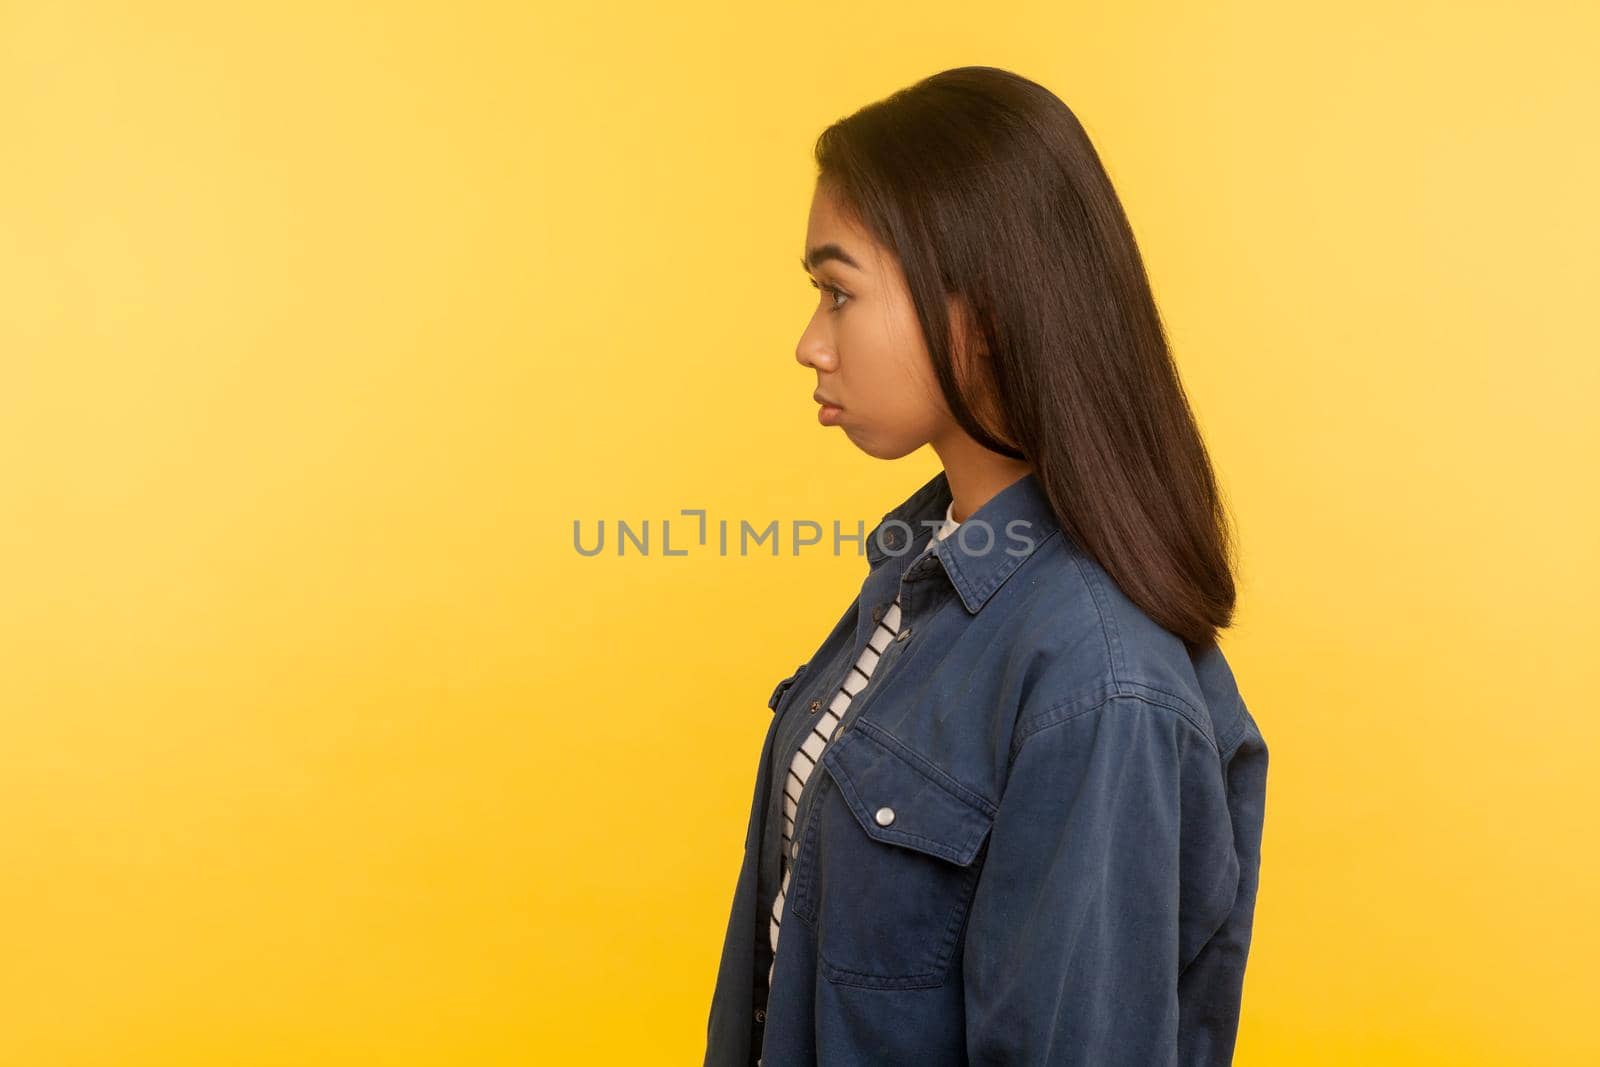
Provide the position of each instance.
(984, 550)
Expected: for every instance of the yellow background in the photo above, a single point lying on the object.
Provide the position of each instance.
(323, 323)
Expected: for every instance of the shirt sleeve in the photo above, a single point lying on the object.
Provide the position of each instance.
(1111, 865)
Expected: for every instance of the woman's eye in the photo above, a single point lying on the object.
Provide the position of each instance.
(839, 295)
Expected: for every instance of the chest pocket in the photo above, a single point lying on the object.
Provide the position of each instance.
(778, 693)
(889, 863)
(782, 687)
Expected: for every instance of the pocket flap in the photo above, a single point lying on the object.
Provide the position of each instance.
(778, 690)
(900, 798)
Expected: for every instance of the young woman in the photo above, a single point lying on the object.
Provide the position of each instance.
(1010, 811)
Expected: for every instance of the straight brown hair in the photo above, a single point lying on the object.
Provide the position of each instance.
(986, 187)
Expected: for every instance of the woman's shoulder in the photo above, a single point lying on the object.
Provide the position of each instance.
(1089, 645)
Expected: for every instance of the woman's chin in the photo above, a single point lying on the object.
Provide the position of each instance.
(877, 447)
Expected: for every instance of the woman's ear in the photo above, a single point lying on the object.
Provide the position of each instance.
(974, 368)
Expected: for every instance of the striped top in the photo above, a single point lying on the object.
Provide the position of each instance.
(805, 758)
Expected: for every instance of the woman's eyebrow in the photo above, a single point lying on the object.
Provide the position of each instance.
(822, 253)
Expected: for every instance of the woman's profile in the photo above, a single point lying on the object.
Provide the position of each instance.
(1010, 809)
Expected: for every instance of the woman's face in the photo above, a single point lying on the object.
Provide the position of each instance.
(864, 341)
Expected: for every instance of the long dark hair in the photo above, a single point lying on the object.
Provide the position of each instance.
(987, 188)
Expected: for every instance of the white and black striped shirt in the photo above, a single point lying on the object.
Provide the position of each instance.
(822, 732)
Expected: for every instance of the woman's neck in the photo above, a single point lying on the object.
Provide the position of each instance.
(975, 474)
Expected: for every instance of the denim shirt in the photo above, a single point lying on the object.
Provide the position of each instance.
(1034, 839)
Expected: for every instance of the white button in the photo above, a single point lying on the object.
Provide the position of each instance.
(885, 816)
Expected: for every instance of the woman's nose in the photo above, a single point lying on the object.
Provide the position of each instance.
(813, 352)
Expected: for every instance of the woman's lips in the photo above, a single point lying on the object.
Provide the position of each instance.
(828, 414)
